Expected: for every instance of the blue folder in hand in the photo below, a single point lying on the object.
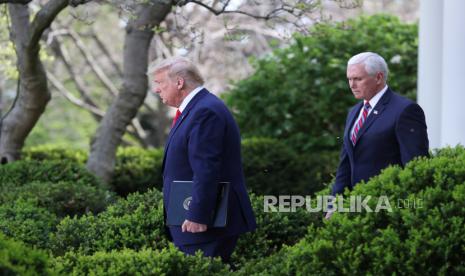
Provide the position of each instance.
(181, 196)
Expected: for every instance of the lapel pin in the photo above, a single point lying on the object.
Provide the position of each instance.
(375, 112)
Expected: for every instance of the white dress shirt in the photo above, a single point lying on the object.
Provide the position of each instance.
(189, 97)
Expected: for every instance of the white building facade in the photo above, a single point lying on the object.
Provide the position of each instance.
(441, 70)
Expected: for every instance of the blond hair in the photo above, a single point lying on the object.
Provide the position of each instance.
(179, 67)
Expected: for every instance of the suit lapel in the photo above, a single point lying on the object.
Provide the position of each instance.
(375, 113)
(184, 114)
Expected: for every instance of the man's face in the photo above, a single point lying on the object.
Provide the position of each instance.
(363, 86)
(167, 89)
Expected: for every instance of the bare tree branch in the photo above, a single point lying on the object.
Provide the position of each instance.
(91, 61)
(270, 15)
(135, 129)
(106, 52)
(44, 18)
(62, 53)
(70, 97)
(87, 103)
(24, 2)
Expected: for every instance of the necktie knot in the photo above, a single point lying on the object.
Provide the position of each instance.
(178, 113)
(367, 105)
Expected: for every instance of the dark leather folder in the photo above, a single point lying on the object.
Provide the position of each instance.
(180, 197)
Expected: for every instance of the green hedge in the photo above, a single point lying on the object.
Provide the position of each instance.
(35, 194)
(136, 169)
(24, 221)
(22, 172)
(52, 152)
(274, 229)
(273, 168)
(270, 167)
(63, 187)
(17, 259)
(168, 261)
(135, 222)
(61, 198)
(429, 240)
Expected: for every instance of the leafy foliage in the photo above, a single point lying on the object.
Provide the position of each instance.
(272, 168)
(23, 172)
(135, 222)
(274, 230)
(61, 198)
(137, 169)
(168, 261)
(24, 221)
(18, 259)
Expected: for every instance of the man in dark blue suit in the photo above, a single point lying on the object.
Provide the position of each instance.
(203, 146)
(384, 129)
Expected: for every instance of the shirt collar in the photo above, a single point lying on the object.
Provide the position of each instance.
(189, 97)
(377, 97)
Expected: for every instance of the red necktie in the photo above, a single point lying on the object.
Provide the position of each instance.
(178, 113)
(361, 121)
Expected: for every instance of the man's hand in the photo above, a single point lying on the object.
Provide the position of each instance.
(193, 227)
(329, 214)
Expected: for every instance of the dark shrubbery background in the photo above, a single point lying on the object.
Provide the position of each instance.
(270, 167)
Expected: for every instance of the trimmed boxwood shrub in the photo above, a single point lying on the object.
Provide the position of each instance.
(135, 222)
(168, 261)
(52, 152)
(61, 198)
(427, 240)
(137, 169)
(22, 172)
(63, 187)
(24, 221)
(274, 230)
(273, 168)
(18, 259)
(270, 167)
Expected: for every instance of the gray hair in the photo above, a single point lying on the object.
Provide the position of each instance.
(373, 62)
(178, 66)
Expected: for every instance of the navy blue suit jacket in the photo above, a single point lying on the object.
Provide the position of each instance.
(204, 147)
(394, 133)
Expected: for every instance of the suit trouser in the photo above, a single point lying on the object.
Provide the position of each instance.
(218, 248)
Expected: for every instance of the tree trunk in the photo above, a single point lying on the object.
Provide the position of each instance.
(33, 94)
(124, 108)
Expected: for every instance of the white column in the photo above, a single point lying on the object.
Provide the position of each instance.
(430, 66)
(453, 74)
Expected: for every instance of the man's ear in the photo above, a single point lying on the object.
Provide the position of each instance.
(379, 77)
(180, 83)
